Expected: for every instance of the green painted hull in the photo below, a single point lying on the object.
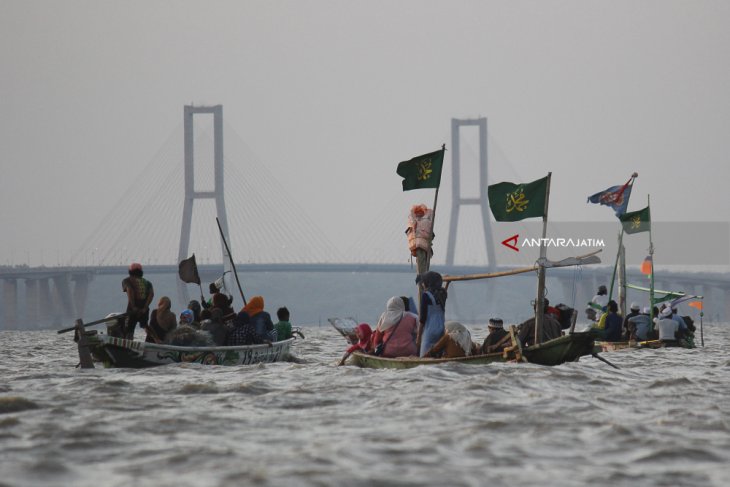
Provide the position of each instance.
(568, 348)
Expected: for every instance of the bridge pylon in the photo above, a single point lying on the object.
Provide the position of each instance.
(191, 194)
(457, 201)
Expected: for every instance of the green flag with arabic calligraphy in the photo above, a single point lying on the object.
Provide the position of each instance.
(512, 202)
(636, 221)
(422, 171)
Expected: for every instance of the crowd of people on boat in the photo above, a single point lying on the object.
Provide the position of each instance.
(403, 330)
(210, 323)
(666, 326)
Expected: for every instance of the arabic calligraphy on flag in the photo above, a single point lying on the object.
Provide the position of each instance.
(512, 202)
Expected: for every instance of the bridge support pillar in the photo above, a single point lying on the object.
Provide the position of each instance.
(45, 312)
(63, 293)
(10, 302)
(81, 292)
(32, 303)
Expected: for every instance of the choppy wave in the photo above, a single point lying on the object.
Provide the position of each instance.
(662, 419)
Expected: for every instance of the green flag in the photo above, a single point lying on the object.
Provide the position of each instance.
(636, 221)
(422, 171)
(511, 202)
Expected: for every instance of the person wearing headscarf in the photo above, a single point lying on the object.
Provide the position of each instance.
(243, 332)
(456, 342)
(497, 339)
(260, 319)
(363, 332)
(186, 317)
(432, 313)
(162, 321)
(395, 335)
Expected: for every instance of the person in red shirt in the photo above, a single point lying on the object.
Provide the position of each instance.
(363, 332)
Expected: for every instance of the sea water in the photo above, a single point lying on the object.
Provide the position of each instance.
(662, 419)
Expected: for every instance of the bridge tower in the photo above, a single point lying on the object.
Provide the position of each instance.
(456, 200)
(190, 193)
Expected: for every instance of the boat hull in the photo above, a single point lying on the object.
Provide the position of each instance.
(118, 352)
(601, 346)
(568, 348)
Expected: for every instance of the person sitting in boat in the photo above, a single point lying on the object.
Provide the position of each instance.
(634, 310)
(162, 321)
(364, 333)
(498, 337)
(283, 326)
(550, 328)
(222, 302)
(432, 313)
(139, 296)
(667, 326)
(639, 326)
(186, 318)
(598, 304)
(195, 307)
(456, 342)
(243, 332)
(215, 326)
(613, 323)
(395, 335)
(410, 305)
(260, 319)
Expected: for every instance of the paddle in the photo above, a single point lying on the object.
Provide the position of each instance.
(604, 360)
(103, 320)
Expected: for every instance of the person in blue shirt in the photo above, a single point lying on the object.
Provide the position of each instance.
(614, 323)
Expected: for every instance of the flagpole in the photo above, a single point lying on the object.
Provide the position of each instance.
(433, 220)
(651, 263)
(230, 257)
(540, 303)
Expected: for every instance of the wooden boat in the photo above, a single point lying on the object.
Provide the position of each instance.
(119, 352)
(567, 348)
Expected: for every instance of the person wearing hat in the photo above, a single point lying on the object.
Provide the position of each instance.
(634, 310)
(639, 325)
(666, 326)
(597, 305)
(498, 337)
(139, 293)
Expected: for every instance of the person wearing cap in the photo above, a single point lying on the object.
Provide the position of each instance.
(497, 338)
(139, 293)
(639, 325)
(634, 310)
(666, 326)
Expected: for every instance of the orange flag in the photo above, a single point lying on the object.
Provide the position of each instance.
(696, 304)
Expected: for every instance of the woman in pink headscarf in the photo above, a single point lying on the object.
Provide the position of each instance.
(363, 333)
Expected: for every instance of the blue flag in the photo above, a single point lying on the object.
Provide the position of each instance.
(617, 197)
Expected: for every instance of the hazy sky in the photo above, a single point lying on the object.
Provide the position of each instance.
(330, 95)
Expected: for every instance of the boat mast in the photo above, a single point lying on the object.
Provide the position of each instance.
(651, 263)
(540, 303)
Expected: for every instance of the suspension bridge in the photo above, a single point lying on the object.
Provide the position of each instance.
(169, 211)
